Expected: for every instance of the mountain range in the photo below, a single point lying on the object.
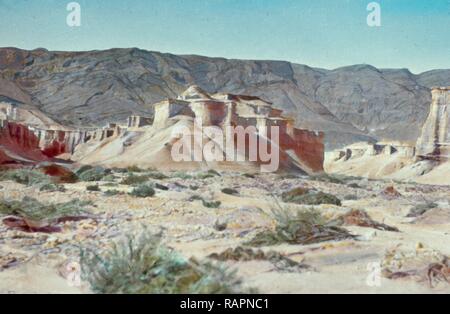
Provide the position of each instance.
(350, 104)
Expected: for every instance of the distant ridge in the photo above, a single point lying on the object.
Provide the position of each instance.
(350, 104)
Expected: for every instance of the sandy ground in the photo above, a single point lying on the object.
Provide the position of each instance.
(188, 226)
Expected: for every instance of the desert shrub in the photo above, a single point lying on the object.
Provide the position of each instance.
(93, 188)
(230, 191)
(134, 169)
(112, 192)
(109, 178)
(211, 204)
(143, 191)
(31, 209)
(142, 265)
(309, 197)
(94, 174)
(421, 209)
(299, 227)
(156, 175)
(134, 179)
(119, 170)
(52, 187)
(27, 177)
(182, 175)
(194, 187)
(195, 198)
(161, 187)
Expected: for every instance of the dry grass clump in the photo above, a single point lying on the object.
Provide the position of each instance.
(31, 177)
(362, 219)
(299, 227)
(241, 254)
(132, 179)
(142, 265)
(36, 214)
(309, 197)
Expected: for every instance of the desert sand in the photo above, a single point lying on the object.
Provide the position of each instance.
(35, 262)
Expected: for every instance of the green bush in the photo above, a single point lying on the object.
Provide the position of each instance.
(143, 191)
(112, 192)
(94, 174)
(141, 265)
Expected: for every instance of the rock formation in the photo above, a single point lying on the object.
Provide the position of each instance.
(149, 145)
(434, 142)
(117, 144)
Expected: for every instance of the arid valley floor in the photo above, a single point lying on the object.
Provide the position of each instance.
(410, 260)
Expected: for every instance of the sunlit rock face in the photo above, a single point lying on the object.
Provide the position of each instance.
(434, 142)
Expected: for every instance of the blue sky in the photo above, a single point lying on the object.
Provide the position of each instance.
(414, 34)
